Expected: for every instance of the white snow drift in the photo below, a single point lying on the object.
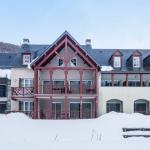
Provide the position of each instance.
(104, 133)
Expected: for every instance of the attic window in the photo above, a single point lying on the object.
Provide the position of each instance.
(136, 61)
(60, 62)
(73, 62)
(26, 59)
(117, 62)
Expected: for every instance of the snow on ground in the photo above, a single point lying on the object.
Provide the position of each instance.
(104, 133)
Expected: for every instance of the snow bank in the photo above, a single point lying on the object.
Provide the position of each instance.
(5, 73)
(105, 132)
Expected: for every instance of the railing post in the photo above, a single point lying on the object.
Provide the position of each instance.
(141, 79)
(126, 79)
(81, 78)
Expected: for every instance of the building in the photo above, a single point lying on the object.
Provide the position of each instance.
(68, 80)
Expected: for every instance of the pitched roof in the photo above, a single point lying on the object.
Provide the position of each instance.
(100, 56)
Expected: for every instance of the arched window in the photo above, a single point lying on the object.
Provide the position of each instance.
(114, 105)
(141, 106)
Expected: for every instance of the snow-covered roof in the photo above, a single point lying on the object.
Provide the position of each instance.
(106, 68)
(5, 73)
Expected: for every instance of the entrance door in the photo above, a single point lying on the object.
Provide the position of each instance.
(74, 110)
(56, 110)
(86, 110)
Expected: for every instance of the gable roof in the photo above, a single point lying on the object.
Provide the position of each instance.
(49, 48)
(101, 57)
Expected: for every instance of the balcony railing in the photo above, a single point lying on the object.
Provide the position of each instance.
(22, 91)
(45, 89)
(86, 114)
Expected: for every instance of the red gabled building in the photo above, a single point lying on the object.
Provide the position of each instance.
(65, 81)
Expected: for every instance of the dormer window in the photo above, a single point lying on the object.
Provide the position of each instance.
(60, 62)
(136, 62)
(117, 62)
(73, 62)
(26, 59)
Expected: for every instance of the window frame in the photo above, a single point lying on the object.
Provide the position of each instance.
(22, 106)
(59, 62)
(117, 62)
(136, 62)
(24, 84)
(72, 64)
(24, 59)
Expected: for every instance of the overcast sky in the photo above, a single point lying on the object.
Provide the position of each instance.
(109, 23)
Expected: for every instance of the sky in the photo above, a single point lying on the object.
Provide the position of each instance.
(108, 23)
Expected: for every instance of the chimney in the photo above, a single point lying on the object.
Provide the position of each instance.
(88, 42)
(26, 45)
(26, 41)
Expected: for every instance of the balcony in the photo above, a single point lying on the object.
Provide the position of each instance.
(22, 92)
(45, 89)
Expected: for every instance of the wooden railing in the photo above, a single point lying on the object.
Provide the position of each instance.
(22, 91)
(45, 89)
(86, 114)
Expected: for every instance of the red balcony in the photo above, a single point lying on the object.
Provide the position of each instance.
(22, 92)
(45, 89)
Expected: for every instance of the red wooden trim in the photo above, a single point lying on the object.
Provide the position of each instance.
(96, 81)
(35, 92)
(81, 78)
(141, 79)
(63, 68)
(125, 72)
(51, 52)
(66, 107)
(35, 108)
(127, 79)
(50, 107)
(51, 81)
(81, 107)
(112, 79)
(96, 107)
(80, 53)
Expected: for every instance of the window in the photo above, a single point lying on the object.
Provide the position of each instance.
(117, 62)
(141, 106)
(26, 59)
(114, 105)
(2, 90)
(134, 83)
(136, 62)
(73, 62)
(25, 106)
(26, 83)
(56, 110)
(60, 62)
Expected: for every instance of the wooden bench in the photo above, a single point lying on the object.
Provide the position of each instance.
(136, 132)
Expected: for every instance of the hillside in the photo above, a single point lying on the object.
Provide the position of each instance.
(8, 48)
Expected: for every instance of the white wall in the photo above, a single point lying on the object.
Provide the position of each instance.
(17, 73)
(126, 94)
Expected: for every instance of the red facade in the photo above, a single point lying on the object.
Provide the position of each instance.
(79, 98)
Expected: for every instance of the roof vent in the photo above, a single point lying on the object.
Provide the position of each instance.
(26, 41)
(88, 42)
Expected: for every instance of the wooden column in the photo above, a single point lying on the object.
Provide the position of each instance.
(66, 92)
(51, 92)
(141, 79)
(81, 91)
(35, 92)
(112, 78)
(127, 79)
(96, 82)
(96, 91)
